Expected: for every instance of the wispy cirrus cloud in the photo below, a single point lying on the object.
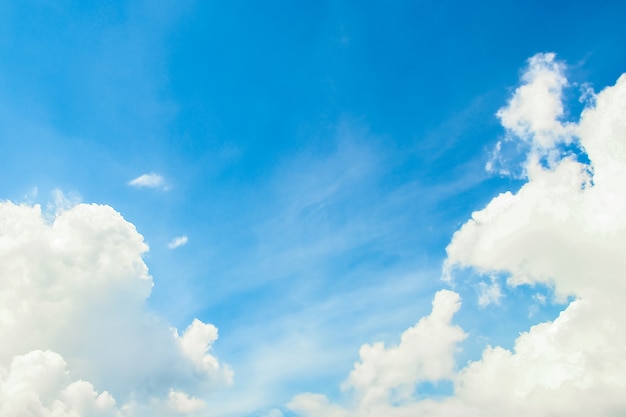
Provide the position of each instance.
(178, 242)
(151, 180)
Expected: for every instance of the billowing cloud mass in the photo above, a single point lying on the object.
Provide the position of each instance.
(148, 180)
(76, 336)
(565, 228)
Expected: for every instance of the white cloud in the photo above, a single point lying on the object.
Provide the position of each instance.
(38, 383)
(195, 344)
(489, 293)
(178, 242)
(313, 405)
(425, 353)
(534, 115)
(77, 337)
(274, 413)
(183, 403)
(151, 180)
(534, 112)
(565, 228)
(390, 374)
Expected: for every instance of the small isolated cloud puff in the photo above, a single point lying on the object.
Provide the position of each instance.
(566, 228)
(149, 181)
(489, 293)
(178, 242)
(77, 336)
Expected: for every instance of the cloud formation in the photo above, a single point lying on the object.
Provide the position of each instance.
(149, 181)
(535, 111)
(565, 228)
(533, 118)
(77, 337)
(178, 242)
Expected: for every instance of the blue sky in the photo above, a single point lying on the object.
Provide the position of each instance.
(305, 166)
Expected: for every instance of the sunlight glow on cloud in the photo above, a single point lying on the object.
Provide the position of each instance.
(178, 242)
(77, 336)
(149, 181)
(565, 228)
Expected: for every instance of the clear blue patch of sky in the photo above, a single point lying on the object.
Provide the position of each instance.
(435, 390)
(500, 323)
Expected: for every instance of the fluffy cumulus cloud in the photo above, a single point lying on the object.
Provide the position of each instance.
(565, 228)
(77, 337)
(389, 375)
(535, 111)
(533, 118)
(385, 373)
